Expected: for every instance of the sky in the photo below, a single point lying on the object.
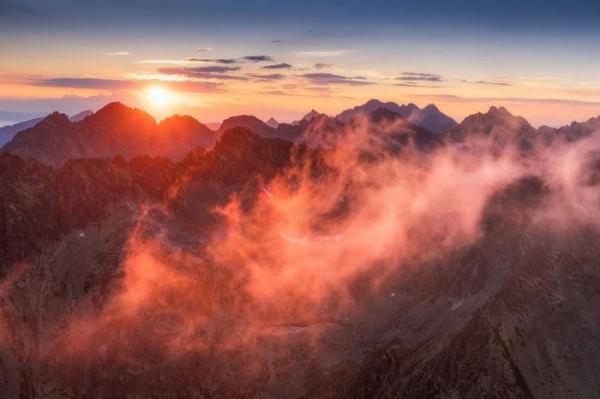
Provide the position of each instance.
(215, 59)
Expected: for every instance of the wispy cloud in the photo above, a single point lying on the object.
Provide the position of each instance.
(117, 53)
(258, 58)
(204, 49)
(500, 100)
(490, 83)
(322, 65)
(322, 53)
(124, 84)
(321, 78)
(86, 83)
(214, 69)
(164, 62)
(283, 65)
(213, 60)
(209, 72)
(266, 77)
(419, 76)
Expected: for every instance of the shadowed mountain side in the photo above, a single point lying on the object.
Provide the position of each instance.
(497, 128)
(40, 203)
(430, 117)
(8, 132)
(113, 130)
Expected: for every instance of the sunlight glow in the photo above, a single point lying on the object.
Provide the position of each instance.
(159, 97)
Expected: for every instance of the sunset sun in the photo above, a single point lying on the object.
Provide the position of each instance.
(159, 97)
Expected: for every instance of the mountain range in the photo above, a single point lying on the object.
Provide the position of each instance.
(357, 257)
(119, 130)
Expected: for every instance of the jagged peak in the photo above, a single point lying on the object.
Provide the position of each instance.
(431, 107)
(373, 101)
(312, 114)
(56, 118)
(499, 111)
(272, 122)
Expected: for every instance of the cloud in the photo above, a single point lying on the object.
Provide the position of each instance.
(323, 53)
(175, 62)
(210, 69)
(258, 58)
(209, 72)
(489, 83)
(322, 78)
(277, 93)
(283, 65)
(322, 65)
(204, 49)
(500, 100)
(191, 86)
(419, 76)
(86, 83)
(214, 60)
(276, 41)
(271, 76)
(117, 53)
(116, 84)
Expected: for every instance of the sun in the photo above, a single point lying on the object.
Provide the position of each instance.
(159, 97)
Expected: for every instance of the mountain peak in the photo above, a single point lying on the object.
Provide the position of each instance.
(373, 102)
(312, 114)
(430, 117)
(250, 122)
(178, 120)
(56, 118)
(499, 112)
(117, 113)
(81, 115)
(114, 107)
(272, 122)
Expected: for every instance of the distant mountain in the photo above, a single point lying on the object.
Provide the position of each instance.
(272, 122)
(498, 126)
(319, 130)
(113, 130)
(249, 122)
(80, 116)
(574, 131)
(430, 117)
(8, 132)
(394, 131)
(308, 117)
